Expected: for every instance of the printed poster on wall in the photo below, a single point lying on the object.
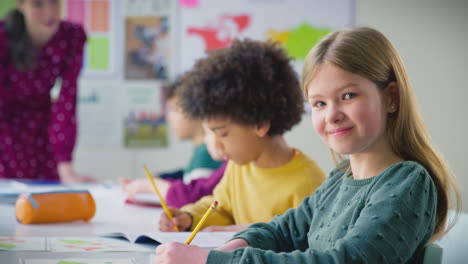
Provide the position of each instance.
(147, 39)
(144, 123)
(146, 48)
(99, 114)
(147, 60)
(298, 24)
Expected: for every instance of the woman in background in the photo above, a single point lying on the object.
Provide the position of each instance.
(37, 135)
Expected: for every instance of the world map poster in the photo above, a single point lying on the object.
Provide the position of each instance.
(297, 24)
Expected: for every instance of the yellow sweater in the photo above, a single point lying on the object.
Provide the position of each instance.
(248, 194)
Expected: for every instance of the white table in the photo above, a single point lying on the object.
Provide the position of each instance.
(112, 215)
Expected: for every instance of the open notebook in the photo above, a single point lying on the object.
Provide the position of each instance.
(68, 244)
(202, 239)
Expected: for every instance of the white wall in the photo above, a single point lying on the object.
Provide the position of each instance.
(432, 38)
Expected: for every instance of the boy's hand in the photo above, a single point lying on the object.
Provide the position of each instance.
(173, 253)
(181, 219)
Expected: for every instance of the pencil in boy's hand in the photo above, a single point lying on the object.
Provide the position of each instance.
(200, 224)
(163, 204)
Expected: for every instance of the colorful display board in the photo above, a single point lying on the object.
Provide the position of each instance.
(98, 17)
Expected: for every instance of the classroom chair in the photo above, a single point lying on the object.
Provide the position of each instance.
(433, 254)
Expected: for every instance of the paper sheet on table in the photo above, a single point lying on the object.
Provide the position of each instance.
(92, 244)
(22, 244)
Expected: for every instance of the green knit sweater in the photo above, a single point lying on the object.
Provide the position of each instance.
(384, 219)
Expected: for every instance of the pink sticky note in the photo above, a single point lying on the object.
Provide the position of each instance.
(189, 3)
(76, 11)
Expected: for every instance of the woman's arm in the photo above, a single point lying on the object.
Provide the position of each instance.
(3, 67)
(62, 128)
(68, 175)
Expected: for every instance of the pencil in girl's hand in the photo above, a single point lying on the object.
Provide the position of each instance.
(200, 224)
(163, 204)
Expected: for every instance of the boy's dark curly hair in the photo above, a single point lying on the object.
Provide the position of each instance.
(249, 83)
(172, 89)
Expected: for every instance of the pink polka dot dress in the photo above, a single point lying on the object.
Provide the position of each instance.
(36, 133)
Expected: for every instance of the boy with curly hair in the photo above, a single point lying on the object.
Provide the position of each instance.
(249, 96)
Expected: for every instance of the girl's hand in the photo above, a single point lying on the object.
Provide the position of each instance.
(181, 219)
(143, 185)
(175, 253)
(69, 176)
(228, 228)
(233, 244)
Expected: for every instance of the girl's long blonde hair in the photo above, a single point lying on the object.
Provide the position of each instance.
(368, 53)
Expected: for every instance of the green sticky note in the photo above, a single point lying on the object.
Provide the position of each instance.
(302, 39)
(6, 6)
(7, 246)
(69, 262)
(76, 242)
(97, 56)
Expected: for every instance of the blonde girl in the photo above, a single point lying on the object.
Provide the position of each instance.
(390, 193)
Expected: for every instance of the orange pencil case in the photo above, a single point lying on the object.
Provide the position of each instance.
(53, 207)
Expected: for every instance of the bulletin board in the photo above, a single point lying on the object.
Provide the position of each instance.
(100, 20)
(153, 41)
